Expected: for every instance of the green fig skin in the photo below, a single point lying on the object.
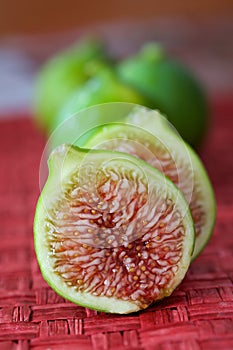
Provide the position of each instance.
(171, 88)
(62, 74)
(104, 87)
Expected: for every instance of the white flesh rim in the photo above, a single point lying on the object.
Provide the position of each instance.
(63, 162)
(155, 124)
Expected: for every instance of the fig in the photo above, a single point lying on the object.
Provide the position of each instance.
(112, 233)
(172, 89)
(104, 87)
(146, 134)
(64, 73)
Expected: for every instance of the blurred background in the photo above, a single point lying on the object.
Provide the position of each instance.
(27, 16)
(198, 32)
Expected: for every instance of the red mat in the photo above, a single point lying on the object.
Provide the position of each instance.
(198, 315)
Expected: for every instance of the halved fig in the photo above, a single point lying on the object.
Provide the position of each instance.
(112, 233)
(146, 134)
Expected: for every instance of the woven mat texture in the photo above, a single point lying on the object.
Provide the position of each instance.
(198, 315)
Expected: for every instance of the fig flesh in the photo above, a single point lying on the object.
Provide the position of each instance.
(146, 134)
(112, 233)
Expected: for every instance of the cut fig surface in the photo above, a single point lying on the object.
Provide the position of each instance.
(147, 135)
(112, 233)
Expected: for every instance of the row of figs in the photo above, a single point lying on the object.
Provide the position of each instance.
(86, 74)
(127, 205)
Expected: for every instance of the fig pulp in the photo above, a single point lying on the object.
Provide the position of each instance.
(148, 135)
(112, 233)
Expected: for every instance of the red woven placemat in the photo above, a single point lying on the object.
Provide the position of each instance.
(198, 315)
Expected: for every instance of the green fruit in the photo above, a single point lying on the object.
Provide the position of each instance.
(149, 136)
(171, 88)
(111, 232)
(61, 75)
(103, 88)
(74, 129)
